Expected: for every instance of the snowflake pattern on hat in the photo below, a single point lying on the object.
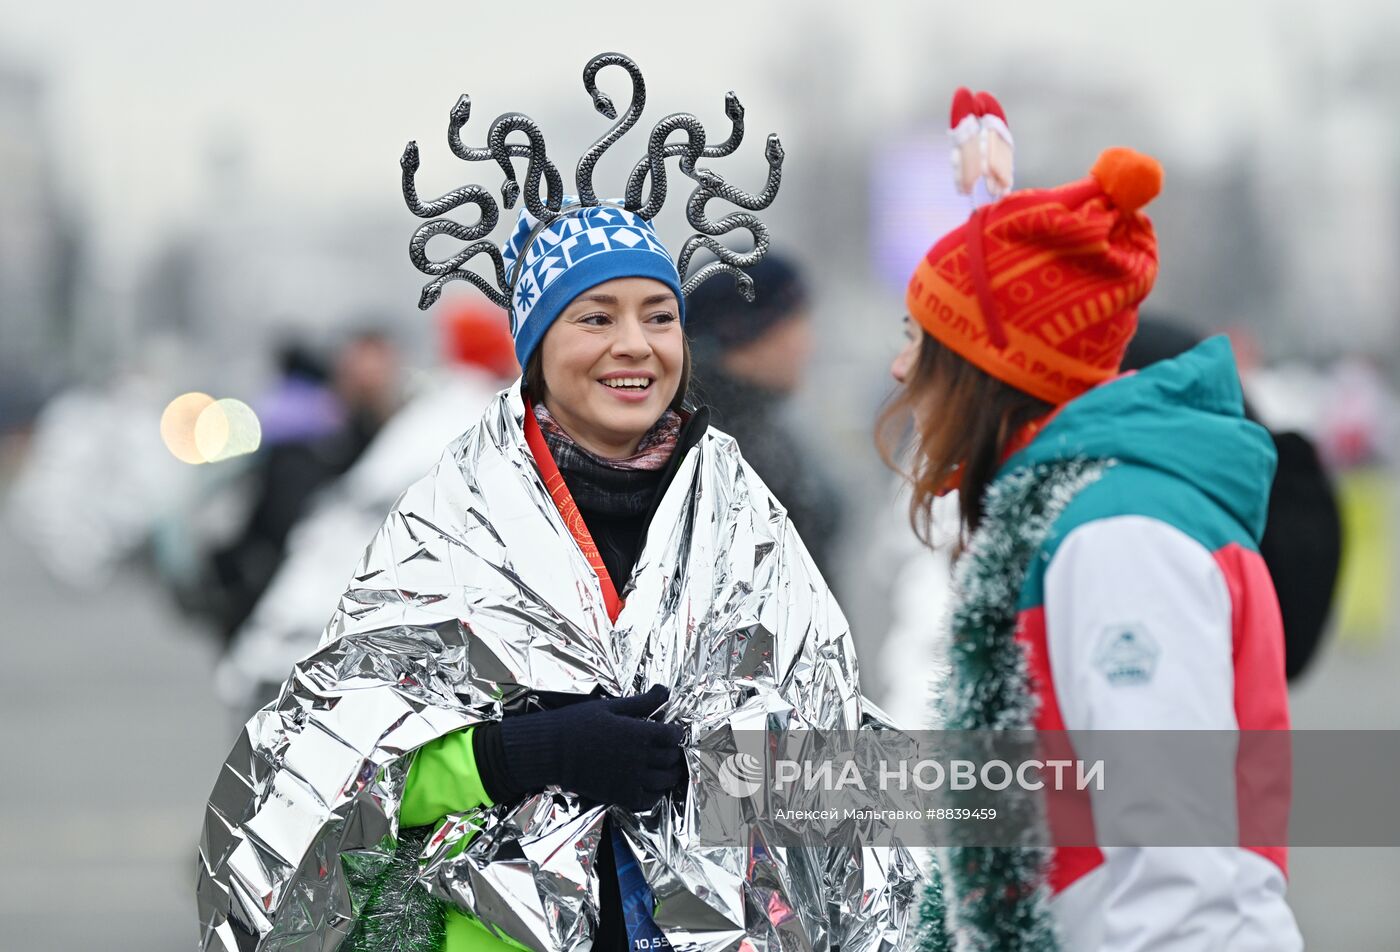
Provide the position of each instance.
(569, 243)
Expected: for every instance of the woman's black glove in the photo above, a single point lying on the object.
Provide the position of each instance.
(604, 750)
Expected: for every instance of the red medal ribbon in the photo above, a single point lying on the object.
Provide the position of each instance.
(568, 510)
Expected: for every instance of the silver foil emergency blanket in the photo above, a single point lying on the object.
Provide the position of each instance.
(473, 596)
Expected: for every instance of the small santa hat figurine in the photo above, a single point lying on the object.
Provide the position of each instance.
(982, 143)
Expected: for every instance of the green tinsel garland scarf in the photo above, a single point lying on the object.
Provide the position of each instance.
(393, 910)
(996, 898)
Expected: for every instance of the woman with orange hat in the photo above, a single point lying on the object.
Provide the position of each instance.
(1109, 575)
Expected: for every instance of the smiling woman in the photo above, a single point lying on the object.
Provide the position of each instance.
(599, 584)
(612, 364)
(591, 585)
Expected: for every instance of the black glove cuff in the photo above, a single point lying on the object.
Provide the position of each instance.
(529, 753)
(490, 753)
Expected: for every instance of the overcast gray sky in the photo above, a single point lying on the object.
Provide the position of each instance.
(324, 94)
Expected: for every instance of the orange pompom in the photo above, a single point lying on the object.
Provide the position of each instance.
(1130, 178)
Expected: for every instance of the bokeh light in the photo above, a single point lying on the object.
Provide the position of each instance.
(196, 428)
(225, 429)
(177, 426)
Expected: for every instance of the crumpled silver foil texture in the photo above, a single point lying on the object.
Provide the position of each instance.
(472, 596)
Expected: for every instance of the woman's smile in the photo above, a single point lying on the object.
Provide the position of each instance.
(628, 386)
(613, 362)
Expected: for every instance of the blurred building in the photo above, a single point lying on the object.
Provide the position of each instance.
(38, 249)
(1335, 193)
(253, 268)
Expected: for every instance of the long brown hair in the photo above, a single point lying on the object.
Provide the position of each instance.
(536, 390)
(963, 421)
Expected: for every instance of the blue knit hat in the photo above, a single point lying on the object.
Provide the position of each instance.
(582, 248)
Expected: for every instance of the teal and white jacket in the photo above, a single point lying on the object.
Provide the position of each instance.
(1144, 605)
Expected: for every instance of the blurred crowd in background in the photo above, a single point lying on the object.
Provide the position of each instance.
(214, 381)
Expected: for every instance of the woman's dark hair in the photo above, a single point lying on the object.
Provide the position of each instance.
(963, 421)
(535, 389)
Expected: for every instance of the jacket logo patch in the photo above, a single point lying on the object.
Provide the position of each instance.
(1127, 655)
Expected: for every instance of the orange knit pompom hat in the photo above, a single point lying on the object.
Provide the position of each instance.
(1041, 289)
